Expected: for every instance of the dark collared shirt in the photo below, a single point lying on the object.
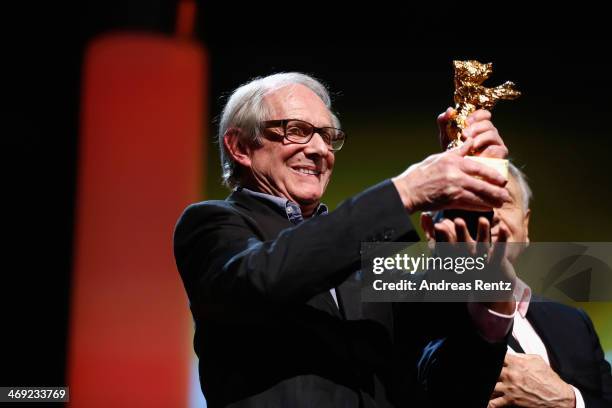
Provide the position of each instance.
(291, 209)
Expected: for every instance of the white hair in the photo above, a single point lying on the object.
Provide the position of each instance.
(246, 109)
(521, 180)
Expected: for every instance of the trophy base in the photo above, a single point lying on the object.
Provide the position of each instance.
(500, 165)
(471, 217)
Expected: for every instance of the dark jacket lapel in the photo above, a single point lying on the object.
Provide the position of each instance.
(269, 221)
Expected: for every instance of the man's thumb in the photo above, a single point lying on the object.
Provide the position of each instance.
(443, 120)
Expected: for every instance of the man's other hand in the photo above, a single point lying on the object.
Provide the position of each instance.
(527, 381)
(456, 231)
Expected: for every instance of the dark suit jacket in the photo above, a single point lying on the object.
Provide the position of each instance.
(268, 332)
(573, 349)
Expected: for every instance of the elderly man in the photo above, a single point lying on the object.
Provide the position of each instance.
(279, 322)
(554, 356)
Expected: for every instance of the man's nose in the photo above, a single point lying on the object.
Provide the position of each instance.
(317, 145)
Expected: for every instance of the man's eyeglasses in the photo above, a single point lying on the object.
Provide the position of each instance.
(299, 131)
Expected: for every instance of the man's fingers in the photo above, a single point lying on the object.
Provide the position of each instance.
(471, 202)
(499, 259)
(498, 252)
(512, 359)
(492, 195)
(477, 116)
(487, 141)
(443, 120)
(465, 148)
(487, 138)
(444, 117)
(498, 402)
(494, 151)
(484, 228)
(463, 235)
(445, 231)
(502, 233)
(483, 236)
(483, 171)
(476, 186)
(448, 180)
(478, 128)
(499, 389)
(427, 224)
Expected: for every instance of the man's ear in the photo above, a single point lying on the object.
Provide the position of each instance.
(236, 147)
(526, 224)
(428, 226)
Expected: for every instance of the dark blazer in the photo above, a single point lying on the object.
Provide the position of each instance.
(268, 332)
(573, 349)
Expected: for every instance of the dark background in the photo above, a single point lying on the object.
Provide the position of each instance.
(390, 73)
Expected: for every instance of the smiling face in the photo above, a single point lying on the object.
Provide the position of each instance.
(298, 172)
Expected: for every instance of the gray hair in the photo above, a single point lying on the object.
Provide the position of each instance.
(521, 180)
(245, 109)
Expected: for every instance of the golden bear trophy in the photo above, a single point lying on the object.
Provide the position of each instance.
(471, 95)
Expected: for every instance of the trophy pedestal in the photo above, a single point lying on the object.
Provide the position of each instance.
(471, 217)
(500, 165)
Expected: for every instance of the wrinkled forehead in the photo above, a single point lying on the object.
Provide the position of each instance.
(296, 101)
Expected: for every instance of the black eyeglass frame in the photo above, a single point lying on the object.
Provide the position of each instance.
(282, 123)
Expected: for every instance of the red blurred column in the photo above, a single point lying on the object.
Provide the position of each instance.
(140, 164)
